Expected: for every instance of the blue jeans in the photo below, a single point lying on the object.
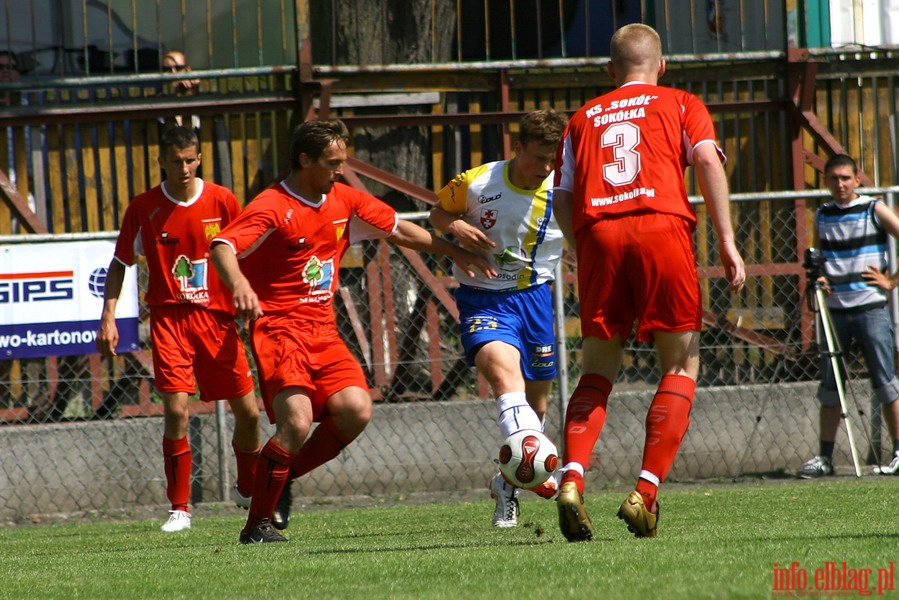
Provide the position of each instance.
(872, 330)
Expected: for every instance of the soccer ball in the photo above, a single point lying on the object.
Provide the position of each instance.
(527, 458)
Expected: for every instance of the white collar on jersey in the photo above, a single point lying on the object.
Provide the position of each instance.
(303, 199)
(189, 200)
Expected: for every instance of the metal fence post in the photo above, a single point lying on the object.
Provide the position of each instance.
(220, 427)
(561, 344)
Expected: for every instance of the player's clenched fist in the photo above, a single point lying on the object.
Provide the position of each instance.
(107, 337)
(245, 301)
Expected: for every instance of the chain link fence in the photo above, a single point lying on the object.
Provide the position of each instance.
(83, 433)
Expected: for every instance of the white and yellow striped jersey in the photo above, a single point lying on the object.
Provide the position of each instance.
(520, 222)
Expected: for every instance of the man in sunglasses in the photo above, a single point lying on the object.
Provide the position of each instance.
(174, 62)
(9, 72)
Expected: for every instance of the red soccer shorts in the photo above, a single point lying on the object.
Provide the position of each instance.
(191, 343)
(637, 268)
(311, 355)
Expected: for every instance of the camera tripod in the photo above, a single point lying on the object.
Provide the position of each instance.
(824, 324)
(827, 344)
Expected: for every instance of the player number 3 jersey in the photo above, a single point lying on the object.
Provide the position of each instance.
(626, 153)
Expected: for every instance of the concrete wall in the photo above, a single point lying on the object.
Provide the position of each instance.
(407, 448)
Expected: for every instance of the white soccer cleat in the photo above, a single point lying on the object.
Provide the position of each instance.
(817, 466)
(179, 520)
(506, 496)
(890, 469)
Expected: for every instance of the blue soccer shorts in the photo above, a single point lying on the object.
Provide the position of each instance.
(520, 318)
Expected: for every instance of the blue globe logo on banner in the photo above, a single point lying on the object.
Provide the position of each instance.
(96, 283)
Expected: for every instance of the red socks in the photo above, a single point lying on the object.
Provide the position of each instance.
(584, 420)
(325, 443)
(246, 467)
(270, 477)
(275, 467)
(574, 476)
(176, 457)
(666, 423)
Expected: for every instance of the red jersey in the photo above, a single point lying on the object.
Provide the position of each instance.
(290, 249)
(175, 238)
(626, 151)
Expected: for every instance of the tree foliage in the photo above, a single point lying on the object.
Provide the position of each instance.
(361, 32)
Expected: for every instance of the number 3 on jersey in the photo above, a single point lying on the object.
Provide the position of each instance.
(623, 138)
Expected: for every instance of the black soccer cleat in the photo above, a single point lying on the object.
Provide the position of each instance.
(263, 533)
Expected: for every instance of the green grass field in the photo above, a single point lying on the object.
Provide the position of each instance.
(715, 541)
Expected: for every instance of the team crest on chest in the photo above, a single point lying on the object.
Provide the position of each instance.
(211, 229)
(488, 217)
(340, 228)
(192, 279)
(318, 275)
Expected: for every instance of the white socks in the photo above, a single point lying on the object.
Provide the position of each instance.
(573, 466)
(650, 477)
(516, 414)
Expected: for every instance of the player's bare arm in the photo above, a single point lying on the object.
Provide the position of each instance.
(468, 235)
(890, 223)
(887, 218)
(562, 210)
(246, 303)
(108, 335)
(713, 186)
(410, 235)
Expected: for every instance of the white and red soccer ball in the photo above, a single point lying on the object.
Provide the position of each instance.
(527, 458)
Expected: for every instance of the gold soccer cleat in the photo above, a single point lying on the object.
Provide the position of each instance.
(640, 521)
(573, 519)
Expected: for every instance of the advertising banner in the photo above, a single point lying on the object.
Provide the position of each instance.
(51, 297)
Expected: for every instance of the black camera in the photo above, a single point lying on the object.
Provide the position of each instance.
(813, 263)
